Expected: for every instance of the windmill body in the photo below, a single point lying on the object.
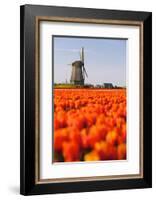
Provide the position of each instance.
(77, 74)
(78, 70)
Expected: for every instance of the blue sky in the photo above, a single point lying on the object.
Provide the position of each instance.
(105, 59)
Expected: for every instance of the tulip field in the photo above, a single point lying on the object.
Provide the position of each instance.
(89, 125)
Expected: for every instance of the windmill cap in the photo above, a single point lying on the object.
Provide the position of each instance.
(78, 62)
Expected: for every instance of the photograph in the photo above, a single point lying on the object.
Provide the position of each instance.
(89, 99)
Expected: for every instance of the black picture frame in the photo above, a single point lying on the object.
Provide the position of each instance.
(28, 15)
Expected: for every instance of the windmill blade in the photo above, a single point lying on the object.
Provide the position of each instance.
(82, 54)
(84, 70)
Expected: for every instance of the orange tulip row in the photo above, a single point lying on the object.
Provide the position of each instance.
(89, 124)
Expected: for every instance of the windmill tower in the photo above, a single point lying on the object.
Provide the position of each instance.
(78, 70)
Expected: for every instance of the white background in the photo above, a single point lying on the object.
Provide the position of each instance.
(9, 98)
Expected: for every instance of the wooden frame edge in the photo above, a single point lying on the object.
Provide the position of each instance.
(37, 89)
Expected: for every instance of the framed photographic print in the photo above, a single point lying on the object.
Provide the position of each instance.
(86, 99)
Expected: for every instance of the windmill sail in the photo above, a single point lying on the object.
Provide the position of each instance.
(84, 71)
(82, 59)
(82, 54)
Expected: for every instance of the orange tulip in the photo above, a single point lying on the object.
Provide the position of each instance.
(121, 151)
(71, 151)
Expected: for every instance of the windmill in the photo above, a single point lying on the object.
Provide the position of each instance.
(78, 70)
